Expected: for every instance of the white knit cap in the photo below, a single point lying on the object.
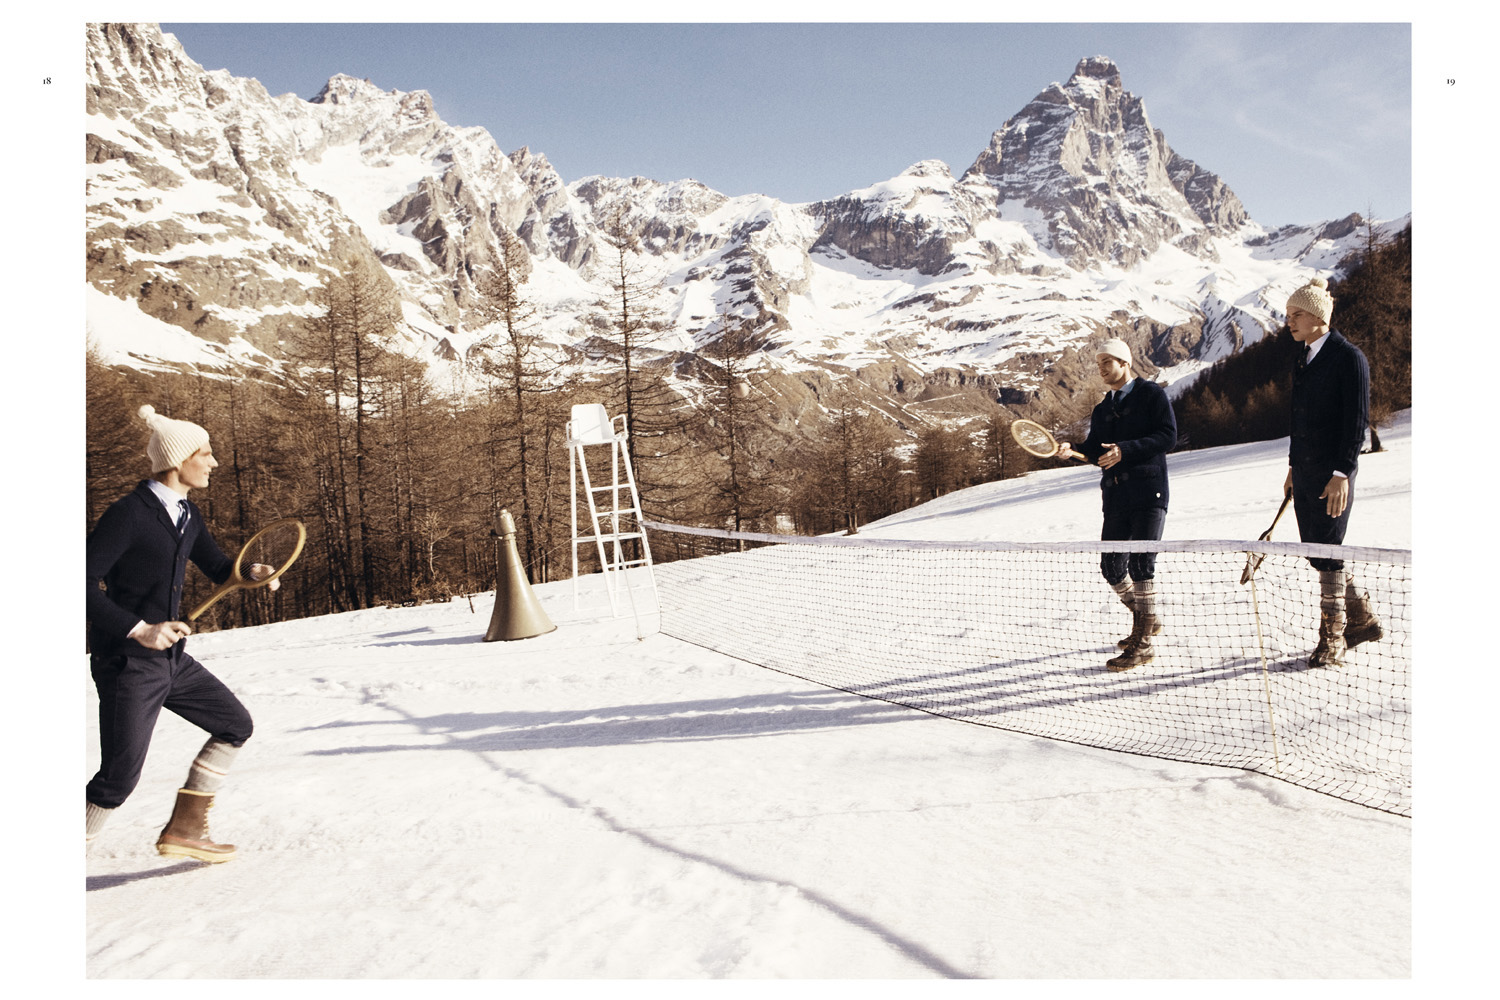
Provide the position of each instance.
(172, 441)
(1313, 298)
(1114, 347)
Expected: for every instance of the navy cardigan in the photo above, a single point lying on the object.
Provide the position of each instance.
(1145, 428)
(1330, 408)
(136, 565)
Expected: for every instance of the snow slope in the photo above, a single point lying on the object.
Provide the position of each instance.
(417, 803)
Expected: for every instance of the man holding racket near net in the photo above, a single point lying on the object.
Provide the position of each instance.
(1330, 411)
(137, 559)
(1130, 433)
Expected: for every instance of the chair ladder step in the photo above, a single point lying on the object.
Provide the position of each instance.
(612, 536)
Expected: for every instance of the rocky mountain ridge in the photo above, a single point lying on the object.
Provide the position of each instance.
(217, 210)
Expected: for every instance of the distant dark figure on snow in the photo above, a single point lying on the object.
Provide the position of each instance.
(1130, 433)
(1330, 410)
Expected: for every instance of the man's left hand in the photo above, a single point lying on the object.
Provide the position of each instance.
(1110, 457)
(1337, 495)
(259, 571)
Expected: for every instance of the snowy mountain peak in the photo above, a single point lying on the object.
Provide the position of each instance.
(1095, 182)
(344, 89)
(1096, 68)
(928, 168)
(216, 213)
(135, 67)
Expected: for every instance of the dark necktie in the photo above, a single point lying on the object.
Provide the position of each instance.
(182, 516)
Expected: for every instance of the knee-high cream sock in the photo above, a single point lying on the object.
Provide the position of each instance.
(94, 818)
(210, 766)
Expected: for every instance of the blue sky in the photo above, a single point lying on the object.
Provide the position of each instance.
(1304, 122)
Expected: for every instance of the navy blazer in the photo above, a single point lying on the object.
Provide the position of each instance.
(136, 565)
(1330, 408)
(1145, 428)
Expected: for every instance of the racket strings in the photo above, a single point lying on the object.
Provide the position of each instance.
(274, 547)
(1034, 438)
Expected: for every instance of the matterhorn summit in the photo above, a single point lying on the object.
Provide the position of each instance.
(1083, 161)
(217, 214)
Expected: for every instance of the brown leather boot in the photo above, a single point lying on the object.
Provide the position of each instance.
(1331, 647)
(1137, 649)
(186, 834)
(1128, 592)
(1360, 624)
(1137, 655)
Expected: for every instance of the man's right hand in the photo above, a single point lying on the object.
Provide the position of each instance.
(162, 635)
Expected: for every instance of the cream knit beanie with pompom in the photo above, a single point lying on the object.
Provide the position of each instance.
(1114, 347)
(172, 441)
(1313, 298)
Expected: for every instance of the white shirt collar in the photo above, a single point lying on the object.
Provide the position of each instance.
(170, 499)
(1317, 345)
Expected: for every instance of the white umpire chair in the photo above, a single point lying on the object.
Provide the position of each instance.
(612, 526)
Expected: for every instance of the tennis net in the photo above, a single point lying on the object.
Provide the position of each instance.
(1016, 636)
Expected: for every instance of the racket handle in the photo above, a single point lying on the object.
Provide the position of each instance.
(219, 591)
(1279, 511)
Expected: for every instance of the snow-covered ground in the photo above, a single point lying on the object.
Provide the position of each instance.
(417, 803)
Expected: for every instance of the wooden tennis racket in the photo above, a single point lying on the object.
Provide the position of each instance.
(1254, 559)
(277, 545)
(1037, 440)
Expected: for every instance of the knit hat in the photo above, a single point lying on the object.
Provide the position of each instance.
(172, 441)
(1313, 298)
(1114, 347)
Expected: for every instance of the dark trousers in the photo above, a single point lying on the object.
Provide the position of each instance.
(1313, 522)
(1141, 524)
(132, 692)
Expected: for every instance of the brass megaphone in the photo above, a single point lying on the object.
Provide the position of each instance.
(518, 614)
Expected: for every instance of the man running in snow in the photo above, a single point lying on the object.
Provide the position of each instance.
(137, 559)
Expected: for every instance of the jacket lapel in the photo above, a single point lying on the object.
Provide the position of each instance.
(1334, 339)
(158, 510)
